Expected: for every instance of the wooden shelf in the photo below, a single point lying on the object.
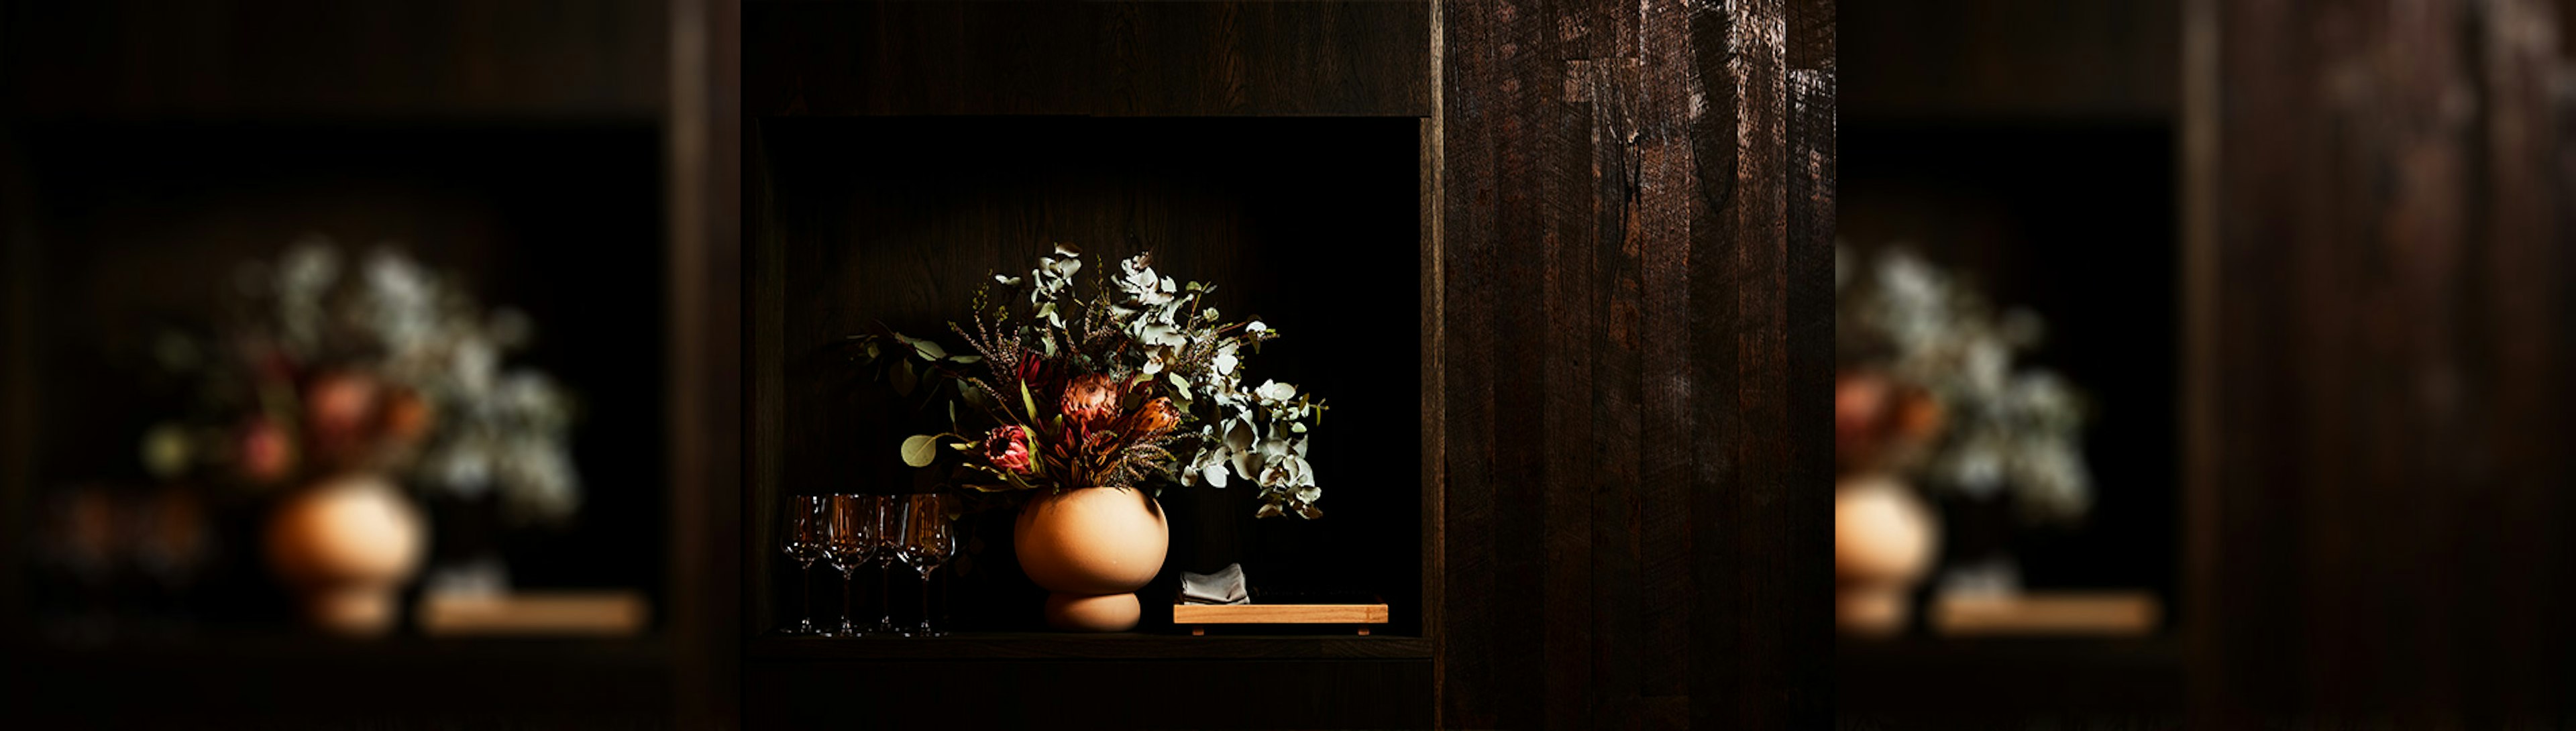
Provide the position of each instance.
(2006, 680)
(1114, 646)
(291, 681)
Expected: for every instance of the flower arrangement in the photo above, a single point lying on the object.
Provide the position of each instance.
(1928, 388)
(320, 367)
(1136, 382)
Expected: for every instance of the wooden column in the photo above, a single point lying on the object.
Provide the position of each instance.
(1635, 248)
(2378, 332)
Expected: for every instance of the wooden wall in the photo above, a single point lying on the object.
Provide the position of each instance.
(2379, 239)
(1636, 266)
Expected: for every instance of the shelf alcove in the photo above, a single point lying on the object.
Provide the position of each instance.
(897, 222)
(896, 155)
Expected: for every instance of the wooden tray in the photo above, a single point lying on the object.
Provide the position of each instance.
(2099, 613)
(1201, 615)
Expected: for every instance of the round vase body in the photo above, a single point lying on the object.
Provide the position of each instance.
(346, 545)
(1884, 539)
(1092, 547)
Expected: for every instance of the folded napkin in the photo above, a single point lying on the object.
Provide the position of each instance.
(1223, 587)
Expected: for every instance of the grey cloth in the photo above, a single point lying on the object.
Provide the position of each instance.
(1223, 587)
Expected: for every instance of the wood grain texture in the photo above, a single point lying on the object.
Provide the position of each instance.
(1089, 694)
(1983, 60)
(707, 388)
(1279, 614)
(2382, 275)
(1342, 57)
(1634, 534)
(289, 59)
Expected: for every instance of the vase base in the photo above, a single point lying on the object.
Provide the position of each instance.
(352, 611)
(1092, 612)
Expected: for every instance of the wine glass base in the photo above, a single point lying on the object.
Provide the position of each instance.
(801, 628)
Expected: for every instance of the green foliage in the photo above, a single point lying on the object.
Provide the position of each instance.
(1157, 372)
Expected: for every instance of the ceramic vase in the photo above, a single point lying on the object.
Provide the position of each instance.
(346, 546)
(1884, 542)
(1093, 548)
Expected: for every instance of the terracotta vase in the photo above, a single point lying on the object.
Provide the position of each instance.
(1884, 541)
(1092, 547)
(346, 546)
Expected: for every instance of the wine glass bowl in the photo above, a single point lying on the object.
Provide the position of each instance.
(852, 539)
(928, 541)
(803, 528)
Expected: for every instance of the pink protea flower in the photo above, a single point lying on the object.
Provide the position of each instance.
(1091, 399)
(1007, 447)
(266, 453)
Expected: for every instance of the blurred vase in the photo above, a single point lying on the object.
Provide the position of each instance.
(346, 546)
(1884, 540)
(1092, 547)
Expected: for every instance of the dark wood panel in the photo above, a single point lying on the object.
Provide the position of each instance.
(1634, 534)
(707, 389)
(572, 59)
(1088, 694)
(2381, 314)
(1967, 60)
(2008, 683)
(280, 682)
(1343, 57)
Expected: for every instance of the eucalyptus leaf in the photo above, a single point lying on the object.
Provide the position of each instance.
(904, 378)
(920, 450)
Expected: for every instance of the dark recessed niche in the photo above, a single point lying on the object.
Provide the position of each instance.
(2074, 222)
(138, 227)
(1313, 224)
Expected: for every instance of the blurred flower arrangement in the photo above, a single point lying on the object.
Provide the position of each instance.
(324, 365)
(1138, 381)
(1928, 390)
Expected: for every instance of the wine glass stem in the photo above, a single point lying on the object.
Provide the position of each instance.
(805, 606)
(885, 595)
(845, 598)
(925, 603)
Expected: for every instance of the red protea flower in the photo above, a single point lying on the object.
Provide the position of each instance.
(1032, 368)
(1091, 400)
(1007, 447)
(1155, 418)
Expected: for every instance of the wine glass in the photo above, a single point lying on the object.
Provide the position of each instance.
(852, 540)
(889, 545)
(928, 541)
(805, 529)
